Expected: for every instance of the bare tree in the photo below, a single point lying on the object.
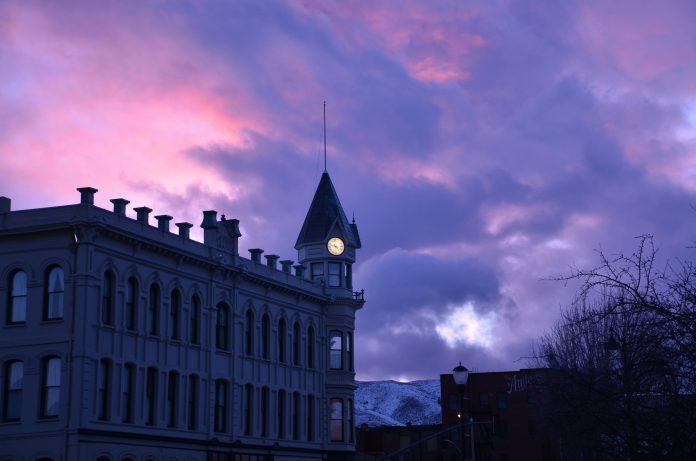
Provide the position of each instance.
(621, 382)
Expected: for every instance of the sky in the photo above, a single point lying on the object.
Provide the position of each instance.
(484, 147)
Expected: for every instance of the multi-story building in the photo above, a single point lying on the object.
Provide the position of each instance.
(502, 419)
(124, 341)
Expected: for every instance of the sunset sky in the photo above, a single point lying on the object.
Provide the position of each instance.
(483, 146)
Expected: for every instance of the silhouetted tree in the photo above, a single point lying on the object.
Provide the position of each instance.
(621, 382)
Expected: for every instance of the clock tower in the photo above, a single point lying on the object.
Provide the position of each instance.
(327, 242)
(326, 248)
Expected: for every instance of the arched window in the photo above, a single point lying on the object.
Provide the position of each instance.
(281, 414)
(172, 398)
(265, 393)
(248, 409)
(50, 388)
(151, 396)
(195, 320)
(310, 347)
(54, 293)
(153, 310)
(249, 333)
(220, 406)
(349, 350)
(128, 393)
(222, 327)
(12, 391)
(192, 403)
(132, 304)
(351, 421)
(265, 336)
(310, 418)
(174, 313)
(336, 421)
(104, 390)
(296, 416)
(282, 333)
(336, 350)
(296, 340)
(107, 293)
(17, 312)
(103, 458)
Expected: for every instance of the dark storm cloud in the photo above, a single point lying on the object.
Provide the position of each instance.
(402, 283)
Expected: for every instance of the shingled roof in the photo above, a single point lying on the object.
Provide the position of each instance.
(324, 213)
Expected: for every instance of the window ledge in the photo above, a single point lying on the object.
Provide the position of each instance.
(51, 321)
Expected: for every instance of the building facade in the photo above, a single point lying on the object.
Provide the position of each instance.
(502, 417)
(125, 341)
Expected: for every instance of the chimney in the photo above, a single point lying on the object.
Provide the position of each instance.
(210, 227)
(299, 270)
(286, 264)
(120, 205)
(231, 227)
(143, 214)
(184, 229)
(271, 260)
(87, 195)
(163, 222)
(256, 254)
(5, 205)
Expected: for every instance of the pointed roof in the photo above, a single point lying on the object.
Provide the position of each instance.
(324, 214)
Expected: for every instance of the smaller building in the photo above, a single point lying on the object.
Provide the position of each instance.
(502, 406)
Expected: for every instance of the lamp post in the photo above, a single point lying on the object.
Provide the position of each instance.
(461, 375)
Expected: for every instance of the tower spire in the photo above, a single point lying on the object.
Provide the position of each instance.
(324, 136)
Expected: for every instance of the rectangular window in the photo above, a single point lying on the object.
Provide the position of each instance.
(103, 401)
(336, 350)
(128, 392)
(502, 400)
(151, 396)
(453, 401)
(192, 404)
(12, 399)
(172, 398)
(336, 422)
(50, 395)
(317, 271)
(349, 276)
(220, 406)
(484, 402)
(334, 274)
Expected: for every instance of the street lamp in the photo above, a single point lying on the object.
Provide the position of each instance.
(461, 375)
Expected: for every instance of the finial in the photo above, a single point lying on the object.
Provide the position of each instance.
(354, 217)
(324, 136)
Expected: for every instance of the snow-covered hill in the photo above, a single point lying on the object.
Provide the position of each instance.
(391, 403)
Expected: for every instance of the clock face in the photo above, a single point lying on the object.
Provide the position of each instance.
(335, 246)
